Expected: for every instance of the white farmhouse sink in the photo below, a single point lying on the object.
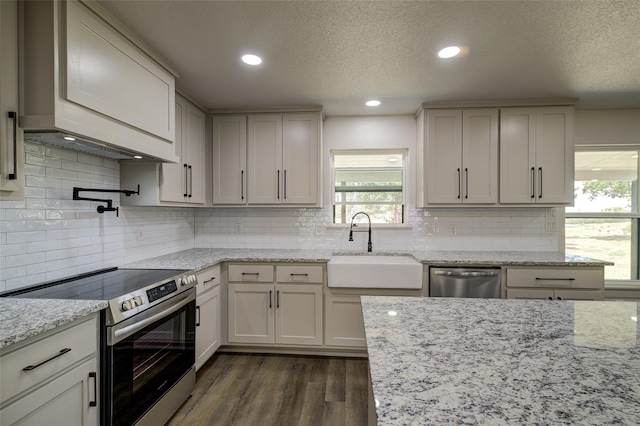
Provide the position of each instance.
(374, 271)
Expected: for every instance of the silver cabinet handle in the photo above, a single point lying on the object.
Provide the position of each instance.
(14, 117)
(476, 274)
(51, 358)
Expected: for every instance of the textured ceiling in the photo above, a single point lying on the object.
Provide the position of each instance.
(340, 53)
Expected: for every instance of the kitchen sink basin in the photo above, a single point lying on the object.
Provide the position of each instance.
(374, 271)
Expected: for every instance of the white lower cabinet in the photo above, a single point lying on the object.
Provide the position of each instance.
(344, 323)
(280, 313)
(268, 312)
(555, 283)
(52, 378)
(208, 314)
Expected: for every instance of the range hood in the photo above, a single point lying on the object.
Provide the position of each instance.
(83, 144)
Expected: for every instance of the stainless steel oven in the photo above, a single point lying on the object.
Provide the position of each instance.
(147, 353)
(150, 363)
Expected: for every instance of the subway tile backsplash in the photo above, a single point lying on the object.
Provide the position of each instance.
(49, 236)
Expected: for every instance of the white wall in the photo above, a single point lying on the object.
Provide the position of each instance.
(607, 127)
(49, 236)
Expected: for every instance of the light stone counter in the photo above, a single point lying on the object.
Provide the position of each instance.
(503, 362)
(196, 259)
(24, 318)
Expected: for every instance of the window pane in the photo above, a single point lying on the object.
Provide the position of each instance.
(367, 160)
(605, 239)
(606, 181)
(388, 213)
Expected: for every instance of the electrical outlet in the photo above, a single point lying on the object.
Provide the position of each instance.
(454, 229)
(550, 225)
(319, 228)
(550, 212)
(238, 228)
(140, 236)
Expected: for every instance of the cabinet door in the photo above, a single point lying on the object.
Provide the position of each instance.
(265, 159)
(11, 142)
(251, 312)
(173, 176)
(444, 156)
(578, 295)
(517, 155)
(207, 325)
(229, 138)
(480, 156)
(194, 135)
(344, 322)
(529, 294)
(300, 158)
(554, 155)
(299, 314)
(64, 401)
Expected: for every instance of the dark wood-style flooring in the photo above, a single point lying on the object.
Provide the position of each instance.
(247, 390)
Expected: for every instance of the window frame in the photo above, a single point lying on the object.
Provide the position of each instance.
(634, 216)
(404, 152)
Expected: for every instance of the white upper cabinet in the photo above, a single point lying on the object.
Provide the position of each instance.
(11, 142)
(184, 181)
(229, 141)
(461, 156)
(536, 155)
(84, 75)
(168, 184)
(267, 159)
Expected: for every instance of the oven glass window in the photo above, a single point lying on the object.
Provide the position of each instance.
(147, 364)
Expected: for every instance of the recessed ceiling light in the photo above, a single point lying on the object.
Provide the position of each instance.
(69, 138)
(138, 157)
(449, 52)
(372, 102)
(251, 59)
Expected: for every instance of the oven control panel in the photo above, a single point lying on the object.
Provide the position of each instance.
(159, 292)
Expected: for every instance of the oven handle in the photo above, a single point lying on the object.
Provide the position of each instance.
(121, 332)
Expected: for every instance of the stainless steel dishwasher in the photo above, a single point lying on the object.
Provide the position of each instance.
(465, 282)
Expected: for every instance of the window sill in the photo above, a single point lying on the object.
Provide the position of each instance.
(381, 226)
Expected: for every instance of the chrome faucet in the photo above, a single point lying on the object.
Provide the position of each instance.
(351, 230)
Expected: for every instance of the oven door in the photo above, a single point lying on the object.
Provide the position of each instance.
(146, 355)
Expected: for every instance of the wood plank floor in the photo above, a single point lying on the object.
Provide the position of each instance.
(264, 390)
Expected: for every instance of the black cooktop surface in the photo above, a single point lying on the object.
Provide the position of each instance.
(100, 285)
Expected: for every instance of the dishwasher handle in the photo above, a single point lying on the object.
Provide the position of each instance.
(467, 274)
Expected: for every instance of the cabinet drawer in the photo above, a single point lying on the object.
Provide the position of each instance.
(208, 278)
(556, 277)
(299, 273)
(251, 273)
(81, 339)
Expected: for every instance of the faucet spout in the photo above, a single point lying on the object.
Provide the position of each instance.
(351, 230)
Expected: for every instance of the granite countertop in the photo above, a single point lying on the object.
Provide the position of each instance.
(196, 259)
(502, 362)
(24, 318)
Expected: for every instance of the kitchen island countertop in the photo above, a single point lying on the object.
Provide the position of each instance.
(196, 259)
(501, 362)
(24, 318)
